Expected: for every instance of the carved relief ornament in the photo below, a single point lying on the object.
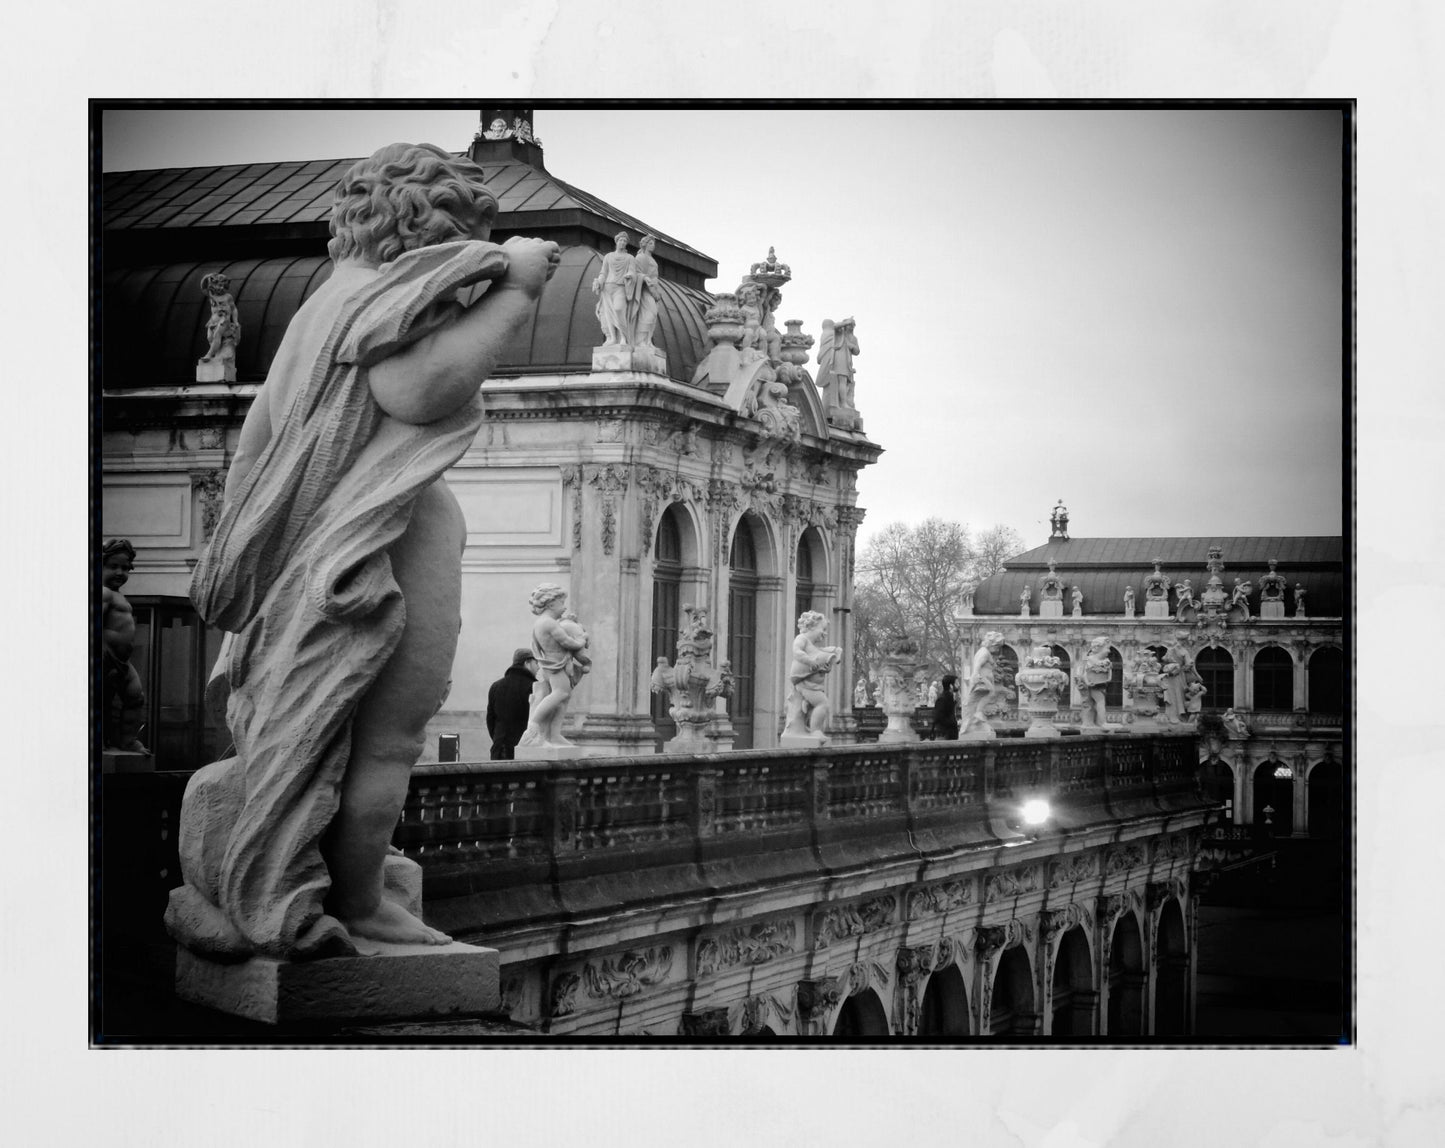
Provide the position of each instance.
(610, 481)
(627, 974)
(746, 945)
(852, 920)
(940, 898)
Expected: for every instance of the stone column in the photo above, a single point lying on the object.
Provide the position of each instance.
(1240, 775)
(776, 631)
(1300, 793)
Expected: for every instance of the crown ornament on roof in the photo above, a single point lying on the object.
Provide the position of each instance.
(770, 272)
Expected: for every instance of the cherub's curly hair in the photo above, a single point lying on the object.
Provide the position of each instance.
(808, 619)
(404, 197)
(117, 546)
(544, 595)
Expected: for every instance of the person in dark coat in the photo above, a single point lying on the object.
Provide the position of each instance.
(945, 711)
(508, 703)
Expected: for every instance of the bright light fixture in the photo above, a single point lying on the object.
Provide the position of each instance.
(1036, 811)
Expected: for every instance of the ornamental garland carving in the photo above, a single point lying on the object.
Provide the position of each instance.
(564, 994)
(1072, 869)
(1012, 883)
(941, 898)
(860, 976)
(572, 477)
(755, 945)
(751, 1015)
(660, 488)
(851, 921)
(1123, 858)
(817, 997)
(628, 974)
(610, 482)
(210, 486)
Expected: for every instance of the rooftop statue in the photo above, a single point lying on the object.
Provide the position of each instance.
(335, 566)
(1240, 597)
(1024, 596)
(808, 709)
(1299, 600)
(1272, 585)
(559, 644)
(643, 298)
(1128, 601)
(836, 351)
(614, 289)
(1059, 520)
(1156, 585)
(1076, 597)
(223, 332)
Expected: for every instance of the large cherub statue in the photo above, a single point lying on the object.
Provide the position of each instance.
(336, 564)
(558, 644)
(808, 709)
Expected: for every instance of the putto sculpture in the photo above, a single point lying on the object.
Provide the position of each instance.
(223, 332)
(693, 685)
(335, 565)
(981, 686)
(1093, 680)
(122, 699)
(808, 709)
(559, 644)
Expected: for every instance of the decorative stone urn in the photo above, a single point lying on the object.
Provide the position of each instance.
(1145, 680)
(693, 687)
(724, 319)
(900, 696)
(1039, 683)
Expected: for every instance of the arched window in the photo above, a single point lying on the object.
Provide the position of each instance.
(1127, 978)
(666, 613)
(1216, 670)
(1171, 988)
(1273, 799)
(944, 1010)
(1114, 691)
(742, 632)
(1073, 998)
(1273, 679)
(861, 1015)
(1326, 681)
(1065, 694)
(803, 600)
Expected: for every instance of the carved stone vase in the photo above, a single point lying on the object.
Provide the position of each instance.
(1145, 680)
(899, 694)
(1039, 683)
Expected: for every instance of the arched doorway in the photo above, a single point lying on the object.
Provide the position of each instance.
(1216, 672)
(1012, 1012)
(1273, 679)
(1126, 978)
(807, 565)
(1114, 691)
(1216, 783)
(944, 1009)
(743, 631)
(1171, 992)
(1067, 693)
(1326, 800)
(1325, 682)
(1074, 1000)
(1273, 799)
(861, 1015)
(666, 612)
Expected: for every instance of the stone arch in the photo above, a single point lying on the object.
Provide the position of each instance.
(1216, 780)
(1074, 1001)
(753, 629)
(1274, 798)
(1114, 691)
(812, 556)
(1272, 674)
(1171, 984)
(861, 1015)
(1013, 1007)
(1215, 666)
(1127, 976)
(691, 528)
(1325, 799)
(944, 1010)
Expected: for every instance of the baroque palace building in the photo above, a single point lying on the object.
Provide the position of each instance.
(703, 475)
(1271, 720)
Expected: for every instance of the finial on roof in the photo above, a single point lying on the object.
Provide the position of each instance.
(504, 133)
(1059, 523)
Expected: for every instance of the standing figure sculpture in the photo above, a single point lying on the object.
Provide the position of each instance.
(558, 642)
(1240, 596)
(836, 351)
(980, 688)
(808, 710)
(1128, 601)
(1299, 600)
(1093, 681)
(122, 700)
(860, 693)
(1077, 598)
(335, 567)
(615, 293)
(1179, 676)
(1024, 595)
(644, 292)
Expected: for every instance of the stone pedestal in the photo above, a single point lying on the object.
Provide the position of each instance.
(844, 418)
(216, 371)
(621, 357)
(981, 732)
(399, 982)
(808, 740)
(548, 752)
(1271, 609)
(1051, 609)
(1159, 608)
(126, 761)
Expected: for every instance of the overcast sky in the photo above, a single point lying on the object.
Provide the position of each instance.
(1136, 311)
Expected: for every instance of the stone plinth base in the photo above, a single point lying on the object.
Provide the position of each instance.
(400, 982)
(1042, 729)
(1271, 609)
(620, 357)
(548, 752)
(1051, 609)
(1158, 609)
(126, 761)
(216, 371)
(844, 418)
(899, 731)
(983, 732)
(806, 740)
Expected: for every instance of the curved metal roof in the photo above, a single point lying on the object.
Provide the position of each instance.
(153, 319)
(1102, 567)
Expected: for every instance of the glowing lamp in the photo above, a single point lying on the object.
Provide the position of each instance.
(1036, 811)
